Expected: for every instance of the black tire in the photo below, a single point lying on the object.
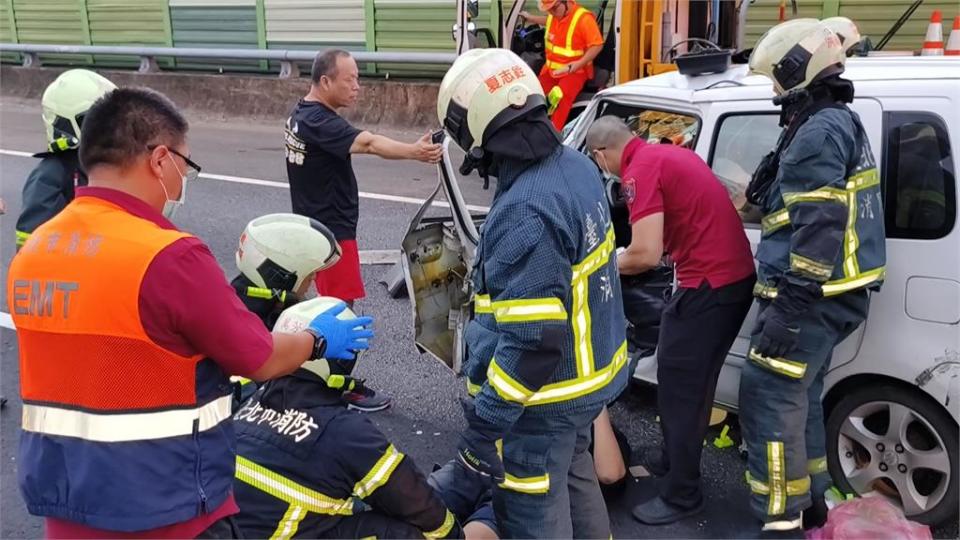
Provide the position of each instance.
(929, 429)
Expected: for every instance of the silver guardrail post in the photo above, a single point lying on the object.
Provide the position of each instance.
(289, 69)
(31, 60)
(148, 64)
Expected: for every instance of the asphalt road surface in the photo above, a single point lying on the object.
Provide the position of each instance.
(426, 418)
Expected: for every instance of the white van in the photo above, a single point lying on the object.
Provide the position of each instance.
(892, 395)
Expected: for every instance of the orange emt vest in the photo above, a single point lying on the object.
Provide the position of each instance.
(117, 432)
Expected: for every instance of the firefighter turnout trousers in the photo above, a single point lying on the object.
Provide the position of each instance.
(781, 414)
(551, 489)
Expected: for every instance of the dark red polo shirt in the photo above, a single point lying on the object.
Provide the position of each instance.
(702, 231)
(187, 307)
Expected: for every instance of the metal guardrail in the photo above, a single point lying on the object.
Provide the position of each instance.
(288, 59)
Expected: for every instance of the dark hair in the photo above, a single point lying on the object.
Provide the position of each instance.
(325, 64)
(125, 122)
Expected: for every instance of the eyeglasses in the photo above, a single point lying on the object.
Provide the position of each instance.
(193, 169)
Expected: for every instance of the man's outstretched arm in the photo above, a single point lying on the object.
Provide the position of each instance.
(379, 145)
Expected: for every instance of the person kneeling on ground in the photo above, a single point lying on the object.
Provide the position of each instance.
(278, 258)
(308, 467)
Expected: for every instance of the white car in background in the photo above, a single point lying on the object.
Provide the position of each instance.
(892, 394)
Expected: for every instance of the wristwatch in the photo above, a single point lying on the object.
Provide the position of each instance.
(319, 344)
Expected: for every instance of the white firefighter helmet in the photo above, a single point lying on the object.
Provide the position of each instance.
(296, 318)
(794, 54)
(279, 251)
(66, 101)
(846, 30)
(483, 91)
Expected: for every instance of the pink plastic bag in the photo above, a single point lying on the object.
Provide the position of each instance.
(870, 517)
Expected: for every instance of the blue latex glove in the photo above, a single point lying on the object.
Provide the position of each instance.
(344, 337)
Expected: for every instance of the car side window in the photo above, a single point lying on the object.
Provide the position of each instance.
(919, 179)
(740, 142)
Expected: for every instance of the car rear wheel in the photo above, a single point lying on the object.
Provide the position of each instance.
(898, 443)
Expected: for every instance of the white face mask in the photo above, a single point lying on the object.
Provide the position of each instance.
(170, 207)
(602, 163)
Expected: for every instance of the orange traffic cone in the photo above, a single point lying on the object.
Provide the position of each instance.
(953, 45)
(933, 43)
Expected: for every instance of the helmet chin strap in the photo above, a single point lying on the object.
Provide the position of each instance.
(525, 139)
(479, 160)
(833, 88)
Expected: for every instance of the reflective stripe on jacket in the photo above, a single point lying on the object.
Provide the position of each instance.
(304, 462)
(823, 218)
(118, 432)
(548, 335)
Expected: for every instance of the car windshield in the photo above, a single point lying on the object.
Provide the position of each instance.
(654, 125)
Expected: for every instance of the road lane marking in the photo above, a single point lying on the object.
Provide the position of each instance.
(284, 185)
(6, 321)
(380, 256)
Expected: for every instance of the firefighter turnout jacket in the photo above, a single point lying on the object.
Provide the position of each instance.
(48, 189)
(305, 462)
(823, 215)
(548, 336)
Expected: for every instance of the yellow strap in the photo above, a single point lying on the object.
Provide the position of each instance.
(794, 487)
(259, 292)
(289, 523)
(557, 65)
(817, 465)
(775, 221)
(830, 288)
(242, 380)
(340, 382)
(506, 386)
(289, 491)
(794, 370)
(840, 286)
(482, 304)
(533, 485)
(379, 474)
(529, 310)
(572, 389)
(511, 390)
(764, 290)
(266, 294)
(596, 258)
(580, 289)
(444, 528)
(824, 194)
(472, 389)
(776, 471)
(863, 180)
(815, 269)
(22, 238)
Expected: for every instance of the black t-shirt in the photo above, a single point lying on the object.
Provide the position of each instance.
(322, 183)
